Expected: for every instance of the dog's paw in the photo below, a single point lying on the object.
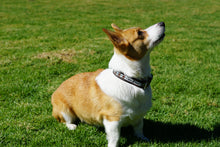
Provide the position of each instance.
(71, 126)
(142, 137)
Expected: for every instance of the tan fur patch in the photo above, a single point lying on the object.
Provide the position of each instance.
(81, 97)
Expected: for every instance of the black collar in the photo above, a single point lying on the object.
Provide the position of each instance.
(136, 82)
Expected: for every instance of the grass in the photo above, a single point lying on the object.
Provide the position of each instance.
(42, 43)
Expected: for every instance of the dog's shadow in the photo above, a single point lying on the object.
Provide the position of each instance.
(167, 132)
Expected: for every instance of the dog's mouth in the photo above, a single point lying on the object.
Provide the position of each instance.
(159, 40)
(161, 37)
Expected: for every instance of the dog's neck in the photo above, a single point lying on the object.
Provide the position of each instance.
(137, 69)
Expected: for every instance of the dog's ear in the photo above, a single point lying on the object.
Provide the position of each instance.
(116, 28)
(118, 40)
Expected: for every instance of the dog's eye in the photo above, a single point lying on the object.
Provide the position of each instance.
(140, 34)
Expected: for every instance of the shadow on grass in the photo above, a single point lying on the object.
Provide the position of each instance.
(167, 132)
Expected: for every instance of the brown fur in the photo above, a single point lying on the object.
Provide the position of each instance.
(128, 42)
(81, 97)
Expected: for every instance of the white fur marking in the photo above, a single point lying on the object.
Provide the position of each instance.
(71, 126)
(112, 129)
(135, 101)
(69, 119)
(154, 32)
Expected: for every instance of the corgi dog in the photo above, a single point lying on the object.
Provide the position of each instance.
(117, 96)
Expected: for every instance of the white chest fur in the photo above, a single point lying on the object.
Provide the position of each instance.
(135, 101)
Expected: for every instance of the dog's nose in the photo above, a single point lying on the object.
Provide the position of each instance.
(161, 24)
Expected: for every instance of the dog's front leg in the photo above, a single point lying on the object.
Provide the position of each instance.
(138, 130)
(112, 129)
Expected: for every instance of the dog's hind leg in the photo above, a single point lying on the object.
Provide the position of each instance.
(63, 112)
(69, 120)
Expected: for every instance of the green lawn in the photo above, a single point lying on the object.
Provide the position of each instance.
(44, 42)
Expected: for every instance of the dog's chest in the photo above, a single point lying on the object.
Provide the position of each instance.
(135, 101)
(136, 106)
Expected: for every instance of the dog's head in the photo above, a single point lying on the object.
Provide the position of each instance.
(134, 43)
